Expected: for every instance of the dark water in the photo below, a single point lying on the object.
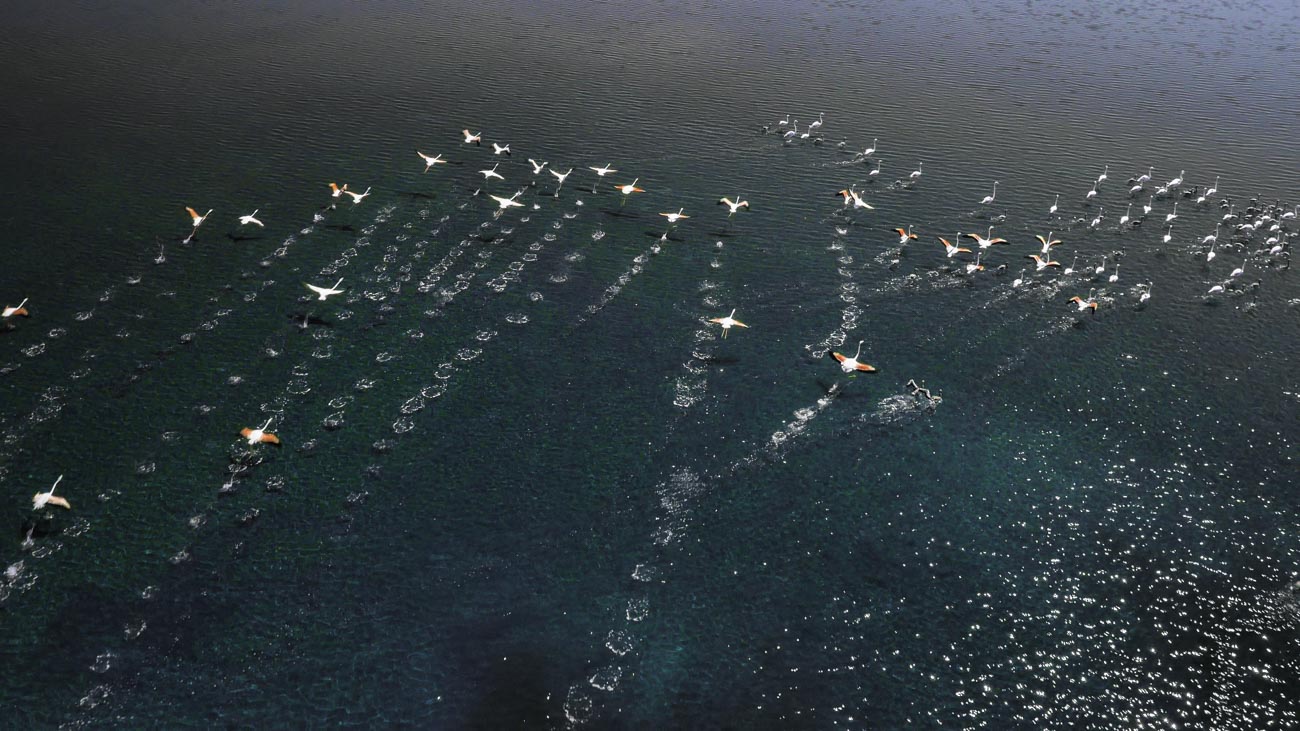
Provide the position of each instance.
(525, 482)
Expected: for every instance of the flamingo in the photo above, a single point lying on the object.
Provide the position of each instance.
(1239, 270)
(1043, 262)
(1124, 218)
(916, 174)
(1209, 255)
(430, 161)
(1176, 181)
(337, 192)
(849, 365)
(498, 149)
(1169, 217)
(792, 132)
(489, 174)
(356, 197)
(1136, 189)
(1169, 235)
(471, 137)
(989, 198)
(560, 177)
(870, 150)
(602, 172)
(953, 249)
(728, 322)
(1047, 242)
(255, 436)
(858, 202)
(41, 499)
(1145, 178)
(821, 117)
(1146, 207)
(537, 167)
(1101, 213)
(324, 293)
(986, 242)
(675, 217)
(1114, 276)
(1211, 238)
(1213, 188)
(1070, 269)
(251, 218)
(1019, 280)
(875, 171)
(975, 266)
(504, 203)
(1084, 304)
(1146, 293)
(903, 236)
(733, 206)
(1092, 193)
(194, 215)
(630, 188)
(18, 311)
(1052, 210)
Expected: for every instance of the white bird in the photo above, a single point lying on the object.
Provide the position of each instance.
(1114, 277)
(255, 436)
(1211, 238)
(1239, 270)
(916, 174)
(18, 311)
(853, 196)
(1169, 217)
(504, 203)
(734, 206)
(630, 188)
(953, 249)
(792, 132)
(1291, 214)
(876, 170)
(1043, 262)
(989, 198)
(1146, 294)
(1135, 189)
(489, 174)
(870, 150)
(1146, 207)
(1048, 242)
(1092, 193)
(336, 191)
(537, 167)
(1052, 210)
(1145, 178)
(1209, 255)
(251, 218)
(471, 137)
(1216, 289)
(196, 218)
(986, 242)
(785, 122)
(1169, 235)
(1124, 218)
(430, 161)
(1100, 214)
(821, 117)
(728, 322)
(1176, 181)
(356, 197)
(903, 236)
(498, 149)
(975, 266)
(1101, 268)
(324, 293)
(1231, 214)
(41, 499)
(602, 172)
(849, 365)
(1070, 269)
(675, 217)
(1019, 280)
(560, 176)
(1084, 304)
(1103, 175)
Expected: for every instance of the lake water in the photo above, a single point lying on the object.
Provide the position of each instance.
(525, 482)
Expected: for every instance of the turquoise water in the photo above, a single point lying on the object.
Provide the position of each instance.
(525, 482)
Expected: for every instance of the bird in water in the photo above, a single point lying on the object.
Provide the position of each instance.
(990, 198)
(430, 161)
(1083, 304)
(728, 322)
(251, 219)
(18, 311)
(916, 174)
(1055, 203)
(733, 206)
(903, 236)
(1146, 294)
(850, 365)
(675, 217)
(630, 188)
(261, 435)
(953, 249)
(975, 266)
(41, 499)
(324, 293)
(356, 197)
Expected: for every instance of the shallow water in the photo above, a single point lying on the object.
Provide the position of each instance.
(524, 481)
